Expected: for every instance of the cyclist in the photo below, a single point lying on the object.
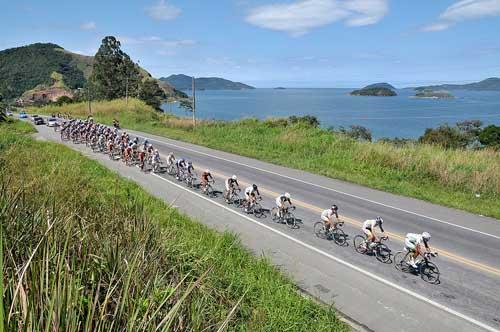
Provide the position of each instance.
(189, 168)
(205, 179)
(156, 160)
(281, 203)
(180, 164)
(327, 217)
(145, 144)
(369, 229)
(170, 159)
(142, 157)
(231, 185)
(251, 195)
(413, 243)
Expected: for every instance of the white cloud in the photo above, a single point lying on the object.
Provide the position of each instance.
(436, 27)
(164, 47)
(163, 11)
(298, 17)
(464, 10)
(88, 26)
(471, 9)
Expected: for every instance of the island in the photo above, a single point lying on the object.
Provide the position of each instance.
(279, 88)
(184, 82)
(376, 90)
(433, 94)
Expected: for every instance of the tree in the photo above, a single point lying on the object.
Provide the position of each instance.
(357, 132)
(151, 93)
(114, 74)
(309, 120)
(490, 136)
(63, 100)
(444, 136)
(186, 104)
(3, 115)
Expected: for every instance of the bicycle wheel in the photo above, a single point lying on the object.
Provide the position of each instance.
(258, 211)
(291, 221)
(339, 237)
(275, 214)
(359, 244)
(383, 253)
(210, 191)
(429, 272)
(319, 230)
(401, 261)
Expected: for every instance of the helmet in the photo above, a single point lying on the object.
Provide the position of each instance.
(254, 186)
(207, 171)
(146, 141)
(287, 195)
(426, 236)
(190, 162)
(379, 220)
(334, 207)
(156, 150)
(171, 154)
(234, 177)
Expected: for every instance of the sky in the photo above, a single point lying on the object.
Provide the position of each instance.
(291, 43)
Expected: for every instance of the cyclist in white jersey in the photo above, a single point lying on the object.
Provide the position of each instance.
(413, 244)
(327, 217)
(369, 229)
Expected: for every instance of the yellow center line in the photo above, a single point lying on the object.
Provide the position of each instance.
(358, 224)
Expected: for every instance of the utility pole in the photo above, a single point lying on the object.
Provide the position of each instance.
(89, 98)
(126, 91)
(194, 103)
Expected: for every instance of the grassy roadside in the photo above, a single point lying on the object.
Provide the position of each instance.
(84, 249)
(447, 177)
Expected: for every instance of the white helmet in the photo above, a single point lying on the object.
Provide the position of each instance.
(171, 154)
(426, 236)
(234, 177)
(156, 150)
(287, 195)
(207, 171)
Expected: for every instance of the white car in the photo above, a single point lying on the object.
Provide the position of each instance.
(52, 122)
(9, 113)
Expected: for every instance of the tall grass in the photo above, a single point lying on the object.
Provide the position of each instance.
(463, 179)
(84, 249)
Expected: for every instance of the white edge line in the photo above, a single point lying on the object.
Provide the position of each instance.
(322, 187)
(338, 260)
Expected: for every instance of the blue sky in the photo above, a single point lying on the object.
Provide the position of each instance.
(294, 43)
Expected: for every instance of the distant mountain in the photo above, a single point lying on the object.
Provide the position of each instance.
(184, 82)
(489, 84)
(376, 90)
(46, 70)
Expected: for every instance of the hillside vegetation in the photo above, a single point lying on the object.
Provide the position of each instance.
(82, 249)
(444, 176)
(24, 68)
(489, 84)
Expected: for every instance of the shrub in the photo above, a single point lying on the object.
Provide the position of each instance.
(490, 136)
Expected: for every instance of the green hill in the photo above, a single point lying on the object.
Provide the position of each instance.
(184, 82)
(380, 85)
(41, 67)
(374, 92)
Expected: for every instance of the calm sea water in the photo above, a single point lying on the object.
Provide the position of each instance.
(399, 116)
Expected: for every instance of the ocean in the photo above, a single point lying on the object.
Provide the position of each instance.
(400, 116)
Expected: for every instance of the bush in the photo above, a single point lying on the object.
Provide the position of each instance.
(357, 132)
(309, 120)
(63, 100)
(490, 136)
(444, 136)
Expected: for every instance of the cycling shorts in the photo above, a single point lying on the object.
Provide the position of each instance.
(368, 232)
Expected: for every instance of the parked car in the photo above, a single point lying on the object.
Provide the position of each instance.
(9, 113)
(34, 116)
(23, 115)
(38, 121)
(52, 122)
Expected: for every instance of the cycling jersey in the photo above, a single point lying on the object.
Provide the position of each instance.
(281, 200)
(370, 224)
(230, 183)
(205, 176)
(249, 191)
(327, 214)
(190, 169)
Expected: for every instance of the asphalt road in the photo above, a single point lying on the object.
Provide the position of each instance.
(374, 294)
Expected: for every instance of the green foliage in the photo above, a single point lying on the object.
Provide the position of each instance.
(113, 74)
(63, 100)
(309, 120)
(374, 91)
(357, 132)
(444, 136)
(186, 104)
(490, 136)
(107, 256)
(184, 82)
(24, 68)
(151, 93)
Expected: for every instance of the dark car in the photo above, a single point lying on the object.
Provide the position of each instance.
(38, 121)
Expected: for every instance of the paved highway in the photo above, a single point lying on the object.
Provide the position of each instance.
(373, 294)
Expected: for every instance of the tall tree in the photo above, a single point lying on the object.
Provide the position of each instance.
(114, 74)
(151, 93)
